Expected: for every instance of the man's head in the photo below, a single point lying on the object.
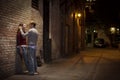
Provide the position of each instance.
(32, 25)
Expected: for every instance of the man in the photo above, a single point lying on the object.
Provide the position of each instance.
(22, 47)
(32, 36)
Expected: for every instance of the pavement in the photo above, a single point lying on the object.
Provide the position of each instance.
(91, 64)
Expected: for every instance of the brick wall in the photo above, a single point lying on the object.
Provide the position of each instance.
(13, 12)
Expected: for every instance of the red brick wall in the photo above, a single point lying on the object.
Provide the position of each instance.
(12, 12)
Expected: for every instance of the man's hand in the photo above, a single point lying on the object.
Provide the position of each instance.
(20, 27)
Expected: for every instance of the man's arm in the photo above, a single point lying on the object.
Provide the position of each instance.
(23, 34)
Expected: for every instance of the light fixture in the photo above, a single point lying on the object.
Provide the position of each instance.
(78, 15)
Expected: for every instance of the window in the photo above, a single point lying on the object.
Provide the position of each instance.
(35, 4)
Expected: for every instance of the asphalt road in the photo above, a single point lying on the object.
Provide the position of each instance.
(91, 64)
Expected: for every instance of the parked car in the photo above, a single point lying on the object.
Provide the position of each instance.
(99, 42)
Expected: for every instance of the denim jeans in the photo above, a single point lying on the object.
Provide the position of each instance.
(32, 59)
(23, 55)
(19, 68)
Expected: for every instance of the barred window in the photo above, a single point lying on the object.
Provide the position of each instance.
(35, 4)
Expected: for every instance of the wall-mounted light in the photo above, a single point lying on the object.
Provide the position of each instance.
(77, 15)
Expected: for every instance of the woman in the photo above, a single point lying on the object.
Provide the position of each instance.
(22, 46)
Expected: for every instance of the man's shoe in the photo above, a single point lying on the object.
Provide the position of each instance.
(26, 71)
(36, 73)
(31, 73)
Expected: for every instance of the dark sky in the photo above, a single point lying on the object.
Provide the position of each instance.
(108, 10)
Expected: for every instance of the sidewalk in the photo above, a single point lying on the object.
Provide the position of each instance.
(92, 64)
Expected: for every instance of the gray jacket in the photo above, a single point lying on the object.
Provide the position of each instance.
(32, 35)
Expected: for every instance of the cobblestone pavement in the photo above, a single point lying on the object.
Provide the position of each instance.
(91, 64)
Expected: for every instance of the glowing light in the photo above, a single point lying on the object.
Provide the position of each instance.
(118, 29)
(112, 29)
(94, 31)
(78, 15)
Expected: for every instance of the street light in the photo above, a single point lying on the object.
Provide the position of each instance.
(78, 15)
(112, 29)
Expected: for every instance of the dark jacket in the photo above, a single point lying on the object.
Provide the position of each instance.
(20, 39)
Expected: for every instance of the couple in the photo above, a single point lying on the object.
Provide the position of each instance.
(27, 49)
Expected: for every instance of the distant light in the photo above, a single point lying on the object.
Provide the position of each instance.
(118, 29)
(94, 31)
(112, 29)
(79, 15)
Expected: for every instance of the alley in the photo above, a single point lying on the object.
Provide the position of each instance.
(91, 64)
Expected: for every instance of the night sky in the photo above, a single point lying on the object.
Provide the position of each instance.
(108, 10)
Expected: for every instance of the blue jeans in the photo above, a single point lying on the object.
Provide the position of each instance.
(19, 68)
(32, 59)
(23, 55)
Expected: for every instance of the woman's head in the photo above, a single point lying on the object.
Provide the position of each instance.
(22, 26)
